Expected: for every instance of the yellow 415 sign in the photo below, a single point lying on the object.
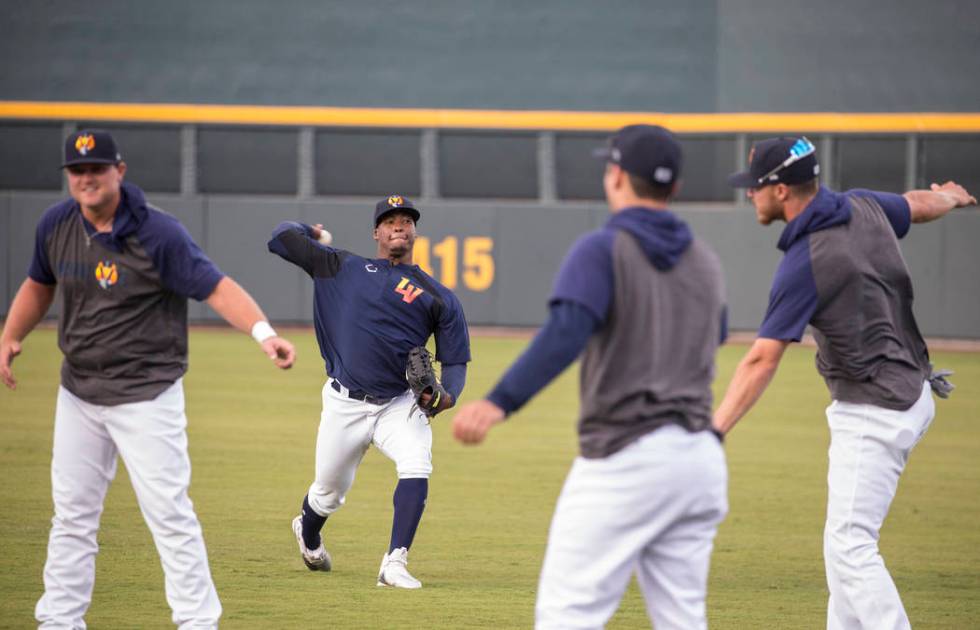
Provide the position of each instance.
(477, 261)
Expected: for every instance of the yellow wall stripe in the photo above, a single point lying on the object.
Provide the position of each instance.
(928, 122)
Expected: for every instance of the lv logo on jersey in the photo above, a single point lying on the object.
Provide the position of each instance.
(107, 274)
(408, 291)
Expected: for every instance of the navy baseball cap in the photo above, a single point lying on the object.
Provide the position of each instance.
(647, 151)
(392, 203)
(778, 161)
(91, 146)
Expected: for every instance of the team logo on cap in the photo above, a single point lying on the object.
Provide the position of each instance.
(84, 143)
(395, 200)
(107, 274)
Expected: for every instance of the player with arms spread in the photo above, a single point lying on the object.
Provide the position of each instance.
(369, 315)
(843, 274)
(644, 299)
(124, 270)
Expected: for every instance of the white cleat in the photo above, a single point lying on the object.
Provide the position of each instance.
(315, 559)
(394, 570)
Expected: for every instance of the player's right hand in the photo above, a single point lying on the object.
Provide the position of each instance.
(8, 350)
(474, 420)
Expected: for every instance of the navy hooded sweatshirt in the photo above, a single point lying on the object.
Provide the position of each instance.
(603, 303)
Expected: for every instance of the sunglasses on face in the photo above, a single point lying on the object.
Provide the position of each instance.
(85, 169)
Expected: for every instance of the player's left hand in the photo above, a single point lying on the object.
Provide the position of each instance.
(445, 402)
(957, 193)
(474, 420)
(282, 353)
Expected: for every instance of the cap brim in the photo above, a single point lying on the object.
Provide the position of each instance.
(416, 215)
(89, 161)
(742, 180)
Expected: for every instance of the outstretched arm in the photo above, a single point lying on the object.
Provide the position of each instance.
(751, 378)
(929, 205)
(32, 301)
(238, 308)
(300, 244)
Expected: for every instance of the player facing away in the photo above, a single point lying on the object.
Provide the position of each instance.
(843, 274)
(124, 270)
(644, 299)
(368, 314)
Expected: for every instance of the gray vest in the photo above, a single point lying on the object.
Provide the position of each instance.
(870, 350)
(653, 361)
(124, 335)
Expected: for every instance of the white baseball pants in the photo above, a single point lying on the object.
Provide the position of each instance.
(652, 509)
(151, 439)
(348, 427)
(869, 447)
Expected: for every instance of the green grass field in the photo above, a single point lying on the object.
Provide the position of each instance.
(481, 541)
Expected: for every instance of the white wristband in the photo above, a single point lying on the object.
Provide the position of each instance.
(262, 331)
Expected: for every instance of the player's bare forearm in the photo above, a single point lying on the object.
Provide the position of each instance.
(929, 205)
(235, 305)
(752, 376)
(32, 301)
(238, 308)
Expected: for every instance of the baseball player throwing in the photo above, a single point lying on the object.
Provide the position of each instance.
(645, 300)
(370, 314)
(843, 274)
(124, 270)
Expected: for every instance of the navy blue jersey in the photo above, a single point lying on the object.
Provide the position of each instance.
(123, 326)
(368, 313)
(645, 300)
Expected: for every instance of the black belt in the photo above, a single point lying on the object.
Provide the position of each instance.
(358, 395)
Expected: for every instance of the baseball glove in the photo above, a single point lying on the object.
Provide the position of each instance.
(421, 377)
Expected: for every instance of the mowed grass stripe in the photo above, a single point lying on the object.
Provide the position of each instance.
(480, 545)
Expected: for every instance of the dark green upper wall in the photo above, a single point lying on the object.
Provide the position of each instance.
(849, 55)
(646, 55)
(445, 53)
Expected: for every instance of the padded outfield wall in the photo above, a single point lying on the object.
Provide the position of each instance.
(568, 55)
(501, 258)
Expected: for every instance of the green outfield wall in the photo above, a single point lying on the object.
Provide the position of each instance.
(622, 55)
(236, 115)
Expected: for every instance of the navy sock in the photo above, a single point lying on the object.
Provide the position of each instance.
(409, 500)
(312, 524)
